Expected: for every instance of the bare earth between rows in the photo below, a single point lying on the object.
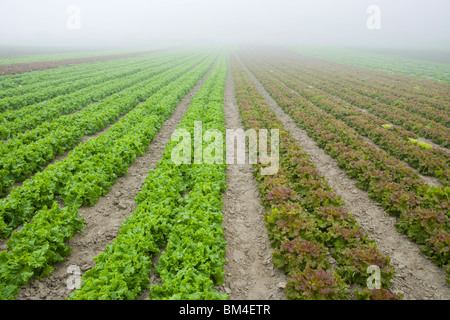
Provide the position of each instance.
(249, 271)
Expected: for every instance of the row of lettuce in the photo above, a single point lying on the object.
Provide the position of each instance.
(81, 71)
(306, 220)
(414, 95)
(100, 85)
(411, 115)
(20, 98)
(387, 62)
(17, 91)
(395, 140)
(14, 122)
(33, 150)
(422, 209)
(178, 212)
(81, 178)
(84, 175)
(20, 81)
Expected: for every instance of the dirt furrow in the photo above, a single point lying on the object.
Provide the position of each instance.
(103, 219)
(249, 271)
(417, 277)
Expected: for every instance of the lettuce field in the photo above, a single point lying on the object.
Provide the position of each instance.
(94, 207)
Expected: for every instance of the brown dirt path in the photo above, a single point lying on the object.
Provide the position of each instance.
(103, 219)
(417, 277)
(249, 271)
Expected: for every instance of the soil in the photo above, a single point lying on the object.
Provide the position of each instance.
(42, 65)
(417, 277)
(249, 271)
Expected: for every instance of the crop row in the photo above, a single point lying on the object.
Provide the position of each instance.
(30, 152)
(419, 96)
(36, 118)
(422, 210)
(41, 76)
(82, 73)
(179, 207)
(369, 86)
(426, 128)
(119, 146)
(431, 92)
(305, 219)
(30, 78)
(66, 87)
(386, 63)
(90, 169)
(395, 140)
(38, 57)
(35, 249)
(13, 123)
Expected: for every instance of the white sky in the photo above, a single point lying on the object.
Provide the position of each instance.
(313, 22)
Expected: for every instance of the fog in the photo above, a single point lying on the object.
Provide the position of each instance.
(139, 23)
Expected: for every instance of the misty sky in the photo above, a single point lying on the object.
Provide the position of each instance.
(423, 23)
